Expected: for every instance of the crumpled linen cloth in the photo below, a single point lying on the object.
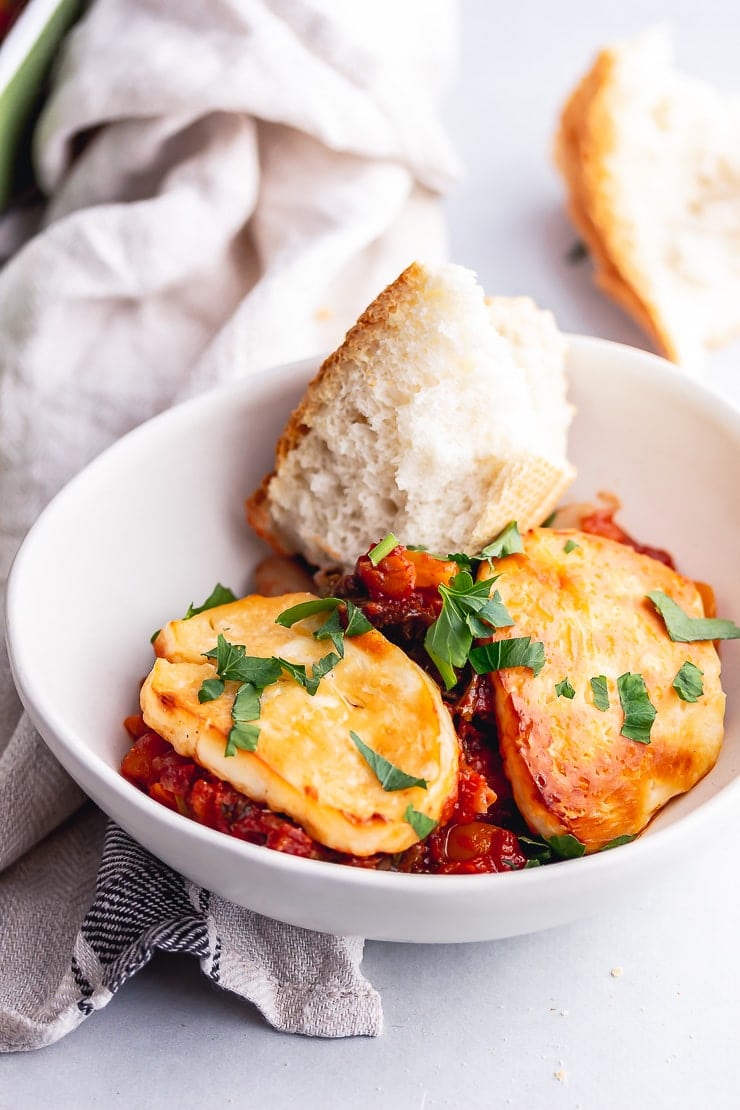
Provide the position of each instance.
(229, 185)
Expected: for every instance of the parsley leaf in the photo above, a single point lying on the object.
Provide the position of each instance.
(243, 736)
(219, 595)
(386, 545)
(332, 630)
(234, 665)
(564, 689)
(210, 689)
(420, 823)
(467, 613)
(639, 711)
(570, 545)
(567, 846)
(549, 520)
(357, 622)
(246, 703)
(389, 776)
(310, 682)
(296, 613)
(618, 841)
(688, 682)
(600, 692)
(519, 651)
(685, 629)
(507, 542)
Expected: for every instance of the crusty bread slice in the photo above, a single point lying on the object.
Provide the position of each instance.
(441, 417)
(651, 160)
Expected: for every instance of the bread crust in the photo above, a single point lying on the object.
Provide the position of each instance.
(516, 483)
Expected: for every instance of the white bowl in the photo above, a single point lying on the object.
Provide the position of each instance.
(157, 519)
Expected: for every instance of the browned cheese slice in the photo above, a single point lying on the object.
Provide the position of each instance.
(306, 764)
(571, 769)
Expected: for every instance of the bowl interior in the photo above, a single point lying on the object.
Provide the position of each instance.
(158, 519)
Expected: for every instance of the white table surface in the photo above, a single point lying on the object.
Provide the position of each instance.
(631, 1009)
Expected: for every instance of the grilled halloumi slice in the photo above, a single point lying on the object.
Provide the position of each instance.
(306, 764)
(570, 769)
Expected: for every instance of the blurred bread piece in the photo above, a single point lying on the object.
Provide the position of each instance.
(651, 160)
(441, 417)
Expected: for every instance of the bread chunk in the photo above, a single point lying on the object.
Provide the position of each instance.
(571, 769)
(441, 417)
(306, 764)
(651, 161)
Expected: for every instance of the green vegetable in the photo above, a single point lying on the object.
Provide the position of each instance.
(507, 542)
(688, 682)
(685, 629)
(389, 776)
(420, 823)
(467, 613)
(382, 549)
(310, 683)
(549, 520)
(567, 846)
(210, 689)
(639, 711)
(600, 692)
(520, 651)
(618, 841)
(246, 708)
(234, 665)
(564, 689)
(570, 545)
(243, 736)
(331, 629)
(219, 595)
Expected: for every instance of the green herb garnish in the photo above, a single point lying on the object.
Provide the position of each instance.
(564, 689)
(420, 823)
(234, 665)
(507, 542)
(549, 520)
(310, 682)
(386, 545)
(600, 692)
(519, 651)
(246, 708)
(688, 682)
(468, 612)
(389, 776)
(243, 736)
(567, 846)
(219, 595)
(570, 545)
(618, 841)
(210, 689)
(331, 629)
(639, 711)
(685, 629)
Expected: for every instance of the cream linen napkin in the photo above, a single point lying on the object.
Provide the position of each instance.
(229, 184)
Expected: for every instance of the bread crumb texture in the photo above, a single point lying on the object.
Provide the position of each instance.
(651, 161)
(442, 416)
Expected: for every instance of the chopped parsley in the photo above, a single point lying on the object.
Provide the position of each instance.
(570, 545)
(332, 629)
(519, 651)
(389, 776)
(688, 682)
(567, 846)
(254, 673)
(639, 711)
(618, 841)
(386, 545)
(685, 629)
(600, 692)
(468, 612)
(507, 542)
(564, 689)
(420, 823)
(219, 595)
